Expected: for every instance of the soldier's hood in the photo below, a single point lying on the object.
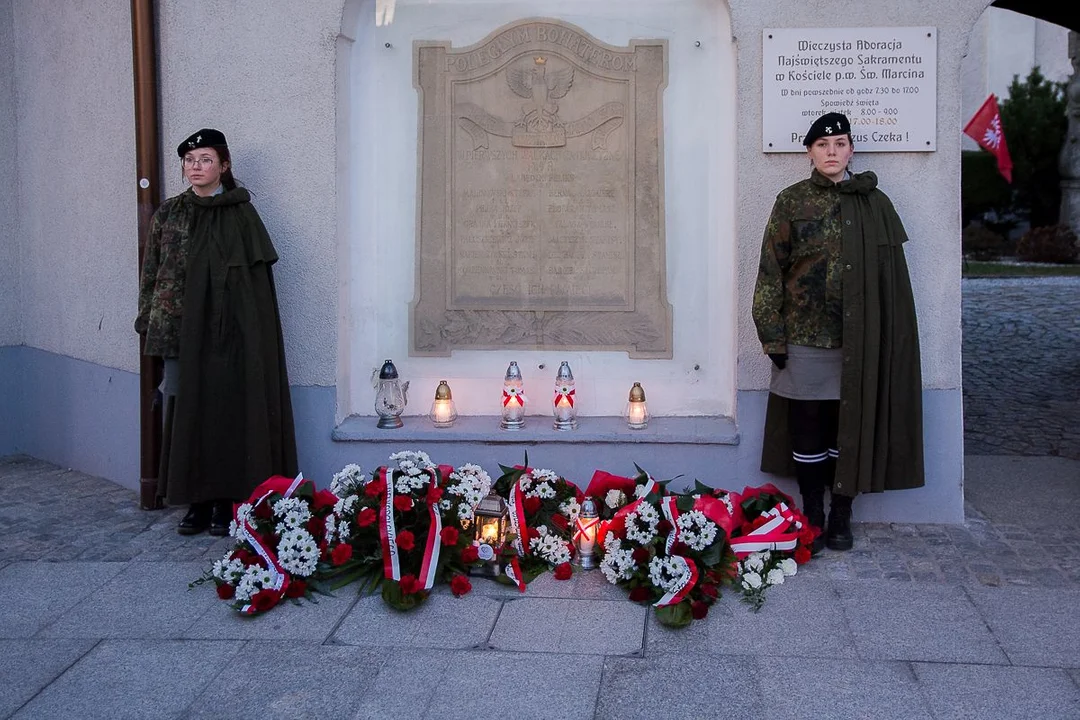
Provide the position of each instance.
(229, 197)
(862, 183)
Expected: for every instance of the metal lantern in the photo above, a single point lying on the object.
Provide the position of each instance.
(636, 414)
(391, 397)
(490, 520)
(513, 399)
(443, 412)
(563, 402)
(585, 530)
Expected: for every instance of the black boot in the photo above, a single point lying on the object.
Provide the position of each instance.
(812, 488)
(839, 535)
(220, 518)
(196, 520)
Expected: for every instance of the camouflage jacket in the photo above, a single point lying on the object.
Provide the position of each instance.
(798, 298)
(161, 284)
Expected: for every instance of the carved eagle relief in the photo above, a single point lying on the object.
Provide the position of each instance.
(541, 87)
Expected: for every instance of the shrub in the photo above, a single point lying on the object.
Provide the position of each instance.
(982, 189)
(1050, 244)
(981, 243)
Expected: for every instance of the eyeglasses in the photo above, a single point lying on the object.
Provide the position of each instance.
(203, 162)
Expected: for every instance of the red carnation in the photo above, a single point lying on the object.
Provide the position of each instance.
(563, 571)
(406, 540)
(710, 591)
(264, 600)
(409, 584)
(449, 536)
(316, 527)
(402, 503)
(296, 589)
(532, 504)
(460, 585)
(560, 521)
(699, 610)
(365, 517)
(802, 555)
(225, 591)
(639, 594)
(759, 521)
(533, 533)
(470, 554)
(341, 553)
(434, 495)
(663, 527)
(640, 555)
(375, 488)
(263, 511)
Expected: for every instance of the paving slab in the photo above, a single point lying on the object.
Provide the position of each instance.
(444, 621)
(407, 682)
(27, 666)
(309, 620)
(684, 687)
(135, 679)
(974, 692)
(589, 627)
(144, 600)
(1035, 626)
(34, 594)
(289, 679)
(584, 584)
(1050, 490)
(892, 620)
(839, 688)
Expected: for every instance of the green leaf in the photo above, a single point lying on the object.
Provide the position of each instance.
(675, 616)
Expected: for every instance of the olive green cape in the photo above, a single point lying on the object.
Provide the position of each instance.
(880, 438)
(232, 424)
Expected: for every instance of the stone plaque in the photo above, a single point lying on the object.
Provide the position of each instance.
(540, 215)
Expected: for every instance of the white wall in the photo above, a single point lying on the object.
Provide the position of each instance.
(10, 317)
(699, 179)
(76, 212)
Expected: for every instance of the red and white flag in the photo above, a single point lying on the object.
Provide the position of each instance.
(985, 129)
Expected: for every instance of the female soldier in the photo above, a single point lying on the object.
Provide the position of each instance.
(835, 313)
(207, 305)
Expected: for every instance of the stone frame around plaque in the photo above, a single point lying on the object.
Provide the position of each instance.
(540, 194)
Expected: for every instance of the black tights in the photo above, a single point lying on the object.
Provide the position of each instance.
(813, 426)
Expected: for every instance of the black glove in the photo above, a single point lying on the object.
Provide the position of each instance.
(779, 360)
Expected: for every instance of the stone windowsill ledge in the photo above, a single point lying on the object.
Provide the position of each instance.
(710, 430)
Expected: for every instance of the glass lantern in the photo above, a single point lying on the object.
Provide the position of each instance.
(563, 402)
(636, 413)
(490, 520)
(585, 530)
(390, 397)
(443, 412)
(513, 399)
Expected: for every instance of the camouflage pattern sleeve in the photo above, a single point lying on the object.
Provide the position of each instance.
(148, 275)
(768, 307)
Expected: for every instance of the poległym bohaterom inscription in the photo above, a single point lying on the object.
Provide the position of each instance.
(540, 216)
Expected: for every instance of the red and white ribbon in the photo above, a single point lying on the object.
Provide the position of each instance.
(517, 520)
(568, 395)
(388, 530)
(772, 535)
(279, 579)
(685, 585)
(430, 562)
(520, 397)
(671, 512)
(513, 571)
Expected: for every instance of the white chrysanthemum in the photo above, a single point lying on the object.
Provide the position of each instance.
(228, 570)
(330, 526)
(344, 530)
(668, 574)
(696, 531)
(641, 524)
(345, 505)
(751, 581)
(726, 499)
(641, 491)
(618, 564)
(542, 490)
(254, 579)
(243, 513)
(551, 548)
(348, 480)
(409, 484)
(789, 566)
(571, 509)
(612, 542)
(292, 520)
(542, 529)
(298, 552)
(775, 577)
(542, 475)
(412, 462)
(615, 499)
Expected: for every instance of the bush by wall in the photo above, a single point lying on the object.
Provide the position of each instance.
(982, 243)
(1051, 244)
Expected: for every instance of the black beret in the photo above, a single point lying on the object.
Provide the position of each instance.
(832, 123)
(207, 137)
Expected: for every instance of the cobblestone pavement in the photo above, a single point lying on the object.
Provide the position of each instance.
(1021, 363)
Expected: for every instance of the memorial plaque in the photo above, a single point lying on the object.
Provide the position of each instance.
(540, 215)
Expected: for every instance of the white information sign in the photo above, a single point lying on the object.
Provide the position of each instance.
(884, 79)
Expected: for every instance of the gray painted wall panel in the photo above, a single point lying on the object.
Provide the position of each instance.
(10, 317)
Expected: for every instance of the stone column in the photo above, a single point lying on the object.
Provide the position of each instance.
(1069, 164)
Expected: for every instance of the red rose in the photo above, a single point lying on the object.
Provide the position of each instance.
(296, 589)
(341, 553)
(225, 591)
(563, 571)
(560, 521)
(470, 554)
(802, 555)
(759, 521)
(640, 555)
(434, 495)
(699, 610)
(264, 600)
(409, 584)
(375, 488)
(639, 594)
(663, 527)
(710, 591)
(532, 504)
(449, 536)
(402, 503)
(365, 517)
(406, 540)
(460, 585)
(263, 511)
